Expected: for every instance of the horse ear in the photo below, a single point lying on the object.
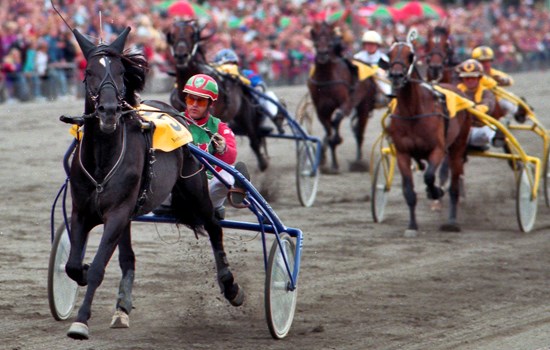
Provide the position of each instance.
(85, 45)
(119, 42)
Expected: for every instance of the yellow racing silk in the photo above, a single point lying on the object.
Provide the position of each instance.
(169, 134)
(233, 70)
(488, 82)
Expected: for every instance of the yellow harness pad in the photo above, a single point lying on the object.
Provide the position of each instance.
(365, 71)
(169, 134)
(455, 102)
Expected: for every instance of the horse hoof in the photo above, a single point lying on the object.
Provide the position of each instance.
(79, 331)
(409, 233)
(450, 228)
(330, 171)
(238, 299)
(359, 166)
(436, 205)
(120, 320)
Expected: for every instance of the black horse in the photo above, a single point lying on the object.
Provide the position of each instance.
(235, 106)
(116, 175)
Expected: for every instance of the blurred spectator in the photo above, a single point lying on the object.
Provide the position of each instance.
(270, 36)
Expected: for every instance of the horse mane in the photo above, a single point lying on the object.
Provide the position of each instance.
(136, 67)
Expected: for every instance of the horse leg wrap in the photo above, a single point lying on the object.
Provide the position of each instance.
(124, 301)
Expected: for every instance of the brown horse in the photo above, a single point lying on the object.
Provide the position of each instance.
(440, 61)
(235, 105)
(421, 129)
(335, 92)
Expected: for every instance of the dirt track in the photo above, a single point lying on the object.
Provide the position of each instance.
(362, 285)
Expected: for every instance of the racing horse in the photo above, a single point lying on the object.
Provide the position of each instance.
(421, 130)
(440, 61)
(115, 175)
(235, 105)
(336, 91)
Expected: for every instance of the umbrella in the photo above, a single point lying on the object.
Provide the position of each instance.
(420, 9)
(381, 12)
(186, 9)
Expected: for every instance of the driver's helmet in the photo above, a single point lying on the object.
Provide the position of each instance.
(226, 56)
(470, 68)
(371, 36)
(203, 86)
(483, 53)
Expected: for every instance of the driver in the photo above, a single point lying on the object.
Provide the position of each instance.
(371, 54)
(470, 73)
(212, 135)
(485, 56)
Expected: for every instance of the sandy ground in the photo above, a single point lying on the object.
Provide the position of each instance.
(362, 285)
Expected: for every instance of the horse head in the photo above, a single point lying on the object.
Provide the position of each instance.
(439, 52)
(185, 38)
(111, 79)
(324, 40)
(401, 64)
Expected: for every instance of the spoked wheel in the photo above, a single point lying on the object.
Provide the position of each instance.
(307, 173)
(546, 178)
(526, 205)
(380, 188)
(280, 301)
(305, 113)
(62, 290)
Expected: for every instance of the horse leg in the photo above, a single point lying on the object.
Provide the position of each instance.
(96, 272)
(456, 163)
(333, 139)
(359, 123)
(434, 192)
(256, 145)
(404, 164)
(127, 262)
(80, 229)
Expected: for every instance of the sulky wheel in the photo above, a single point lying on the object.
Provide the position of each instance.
(305, 113)
(380, 188)
(307, 173)
(546, 177)
(280, 301)
(62, 290)
(526, 205)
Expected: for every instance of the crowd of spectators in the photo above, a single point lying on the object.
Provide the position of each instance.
(39, 58)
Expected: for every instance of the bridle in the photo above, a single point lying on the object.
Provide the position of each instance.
(108, 81)
(181, 45)
(403, 76)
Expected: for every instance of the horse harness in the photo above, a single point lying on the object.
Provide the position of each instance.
(440, 97)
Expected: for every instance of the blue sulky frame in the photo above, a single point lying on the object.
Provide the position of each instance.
(62, 291)
(308, 167)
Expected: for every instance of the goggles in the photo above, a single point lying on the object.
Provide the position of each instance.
(199, 101)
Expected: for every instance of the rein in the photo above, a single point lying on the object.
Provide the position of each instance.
(100, 186)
